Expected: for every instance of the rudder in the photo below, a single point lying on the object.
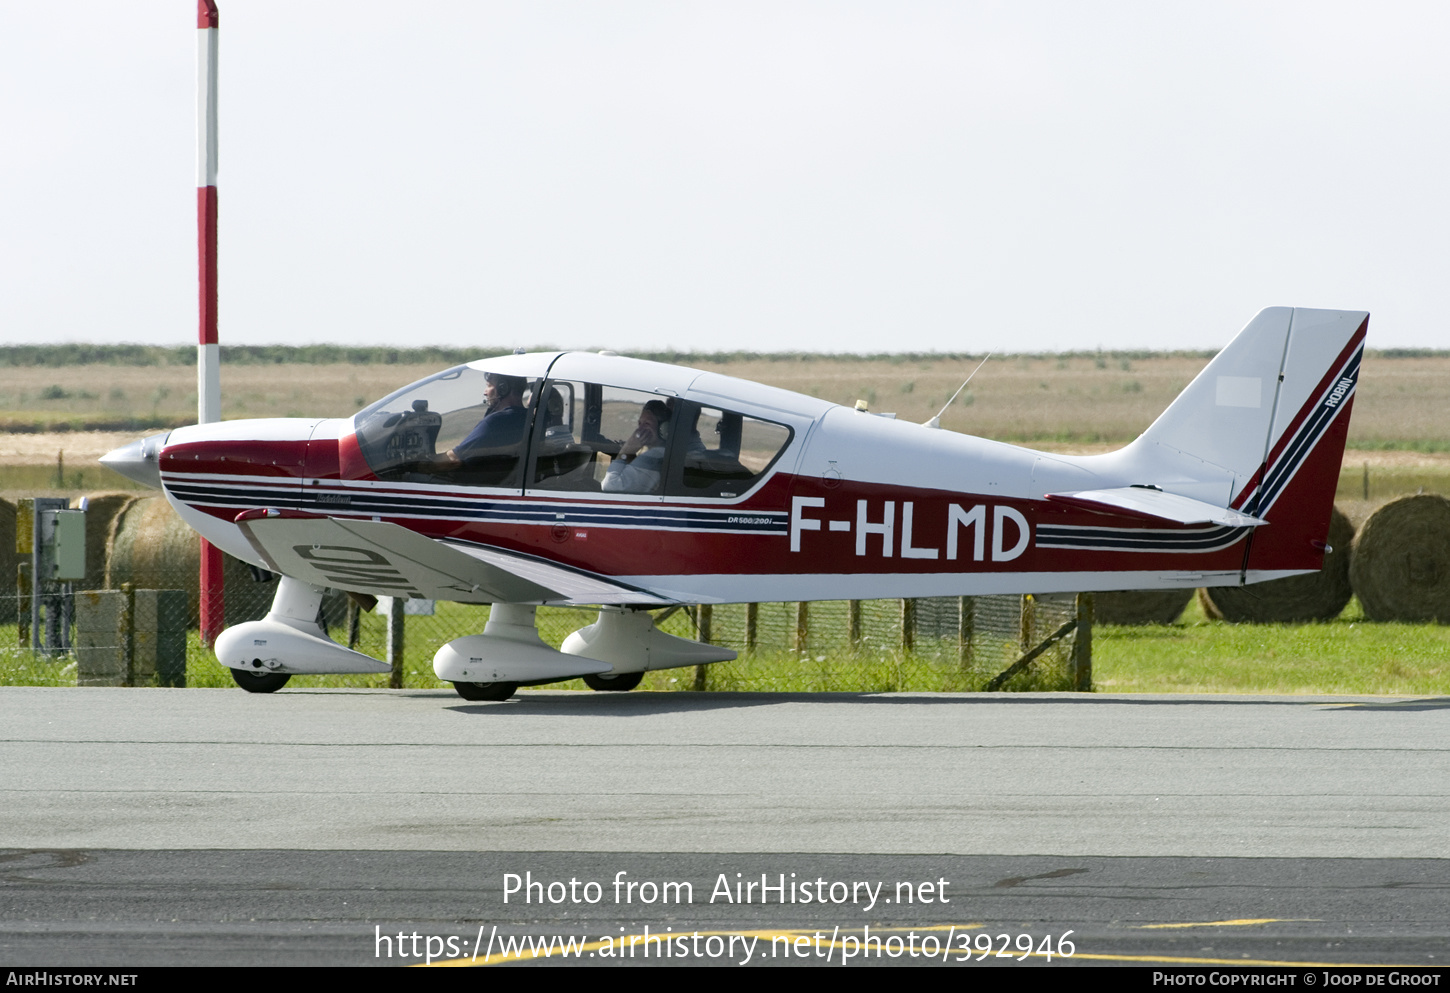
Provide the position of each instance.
(1295, 490)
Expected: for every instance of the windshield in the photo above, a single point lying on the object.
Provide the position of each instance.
(395, 400)
(463, 425)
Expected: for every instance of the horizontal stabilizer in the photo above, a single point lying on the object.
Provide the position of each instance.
(1150, 502)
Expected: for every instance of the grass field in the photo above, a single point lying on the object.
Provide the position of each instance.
(1195, 655)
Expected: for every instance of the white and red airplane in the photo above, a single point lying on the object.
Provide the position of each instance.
(590, 479)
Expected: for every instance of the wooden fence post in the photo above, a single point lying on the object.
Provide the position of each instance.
(22, 600)
(966, 621)
(752, 620)
(704, 618)
(802, 628)
(395, 643)
(354, 622)
(908, 626)
(853, 623)
(1029, 622)
(1082, 645)
(128, 633)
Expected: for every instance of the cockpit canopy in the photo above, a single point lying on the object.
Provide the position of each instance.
(472, 426)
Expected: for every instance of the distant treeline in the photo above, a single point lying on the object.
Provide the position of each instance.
(181, 355)
(43, 425)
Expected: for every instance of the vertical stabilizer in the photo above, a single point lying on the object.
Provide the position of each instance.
(1262, 430)
(1216, 433)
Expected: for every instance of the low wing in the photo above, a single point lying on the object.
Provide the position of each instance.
(389, 560)
(1143, 501)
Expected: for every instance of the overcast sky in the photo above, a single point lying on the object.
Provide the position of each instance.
(773, 176)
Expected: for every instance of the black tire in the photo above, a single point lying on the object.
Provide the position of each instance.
(622, 683)
(260, 682)
(486, 691)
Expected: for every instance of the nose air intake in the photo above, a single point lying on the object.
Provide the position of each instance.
(139, 461)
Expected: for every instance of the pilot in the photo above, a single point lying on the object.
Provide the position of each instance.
(502, 426)
(640, 462)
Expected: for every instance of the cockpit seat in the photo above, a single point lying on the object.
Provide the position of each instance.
(557, 438)
(705, 470)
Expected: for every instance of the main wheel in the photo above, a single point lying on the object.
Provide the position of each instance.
(621, 683)
(260, 682)
(486, 691)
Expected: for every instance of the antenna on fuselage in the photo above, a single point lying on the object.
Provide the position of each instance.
(935, 422)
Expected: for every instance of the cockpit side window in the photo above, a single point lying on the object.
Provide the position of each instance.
(462, 427)
(592, 438)
(724, 453)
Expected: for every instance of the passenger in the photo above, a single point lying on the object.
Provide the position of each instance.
(640, 463)
(694, 445)
(557, 436)
(554, 408)
(500, 430)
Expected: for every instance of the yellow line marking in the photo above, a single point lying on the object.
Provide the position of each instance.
(954, 956)
(1239, 923)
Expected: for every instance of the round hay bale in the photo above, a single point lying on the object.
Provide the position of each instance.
(1401, 567)
(152, 549)
(101, 512)
(1140, 606)
(1315, 596)
(8, 597)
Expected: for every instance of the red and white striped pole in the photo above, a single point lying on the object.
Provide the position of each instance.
(208, 352)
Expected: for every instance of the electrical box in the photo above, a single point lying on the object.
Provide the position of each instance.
(40, 521)
(69, 562)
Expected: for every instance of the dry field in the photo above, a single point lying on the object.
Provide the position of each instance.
(1402, 402)
(93, 391)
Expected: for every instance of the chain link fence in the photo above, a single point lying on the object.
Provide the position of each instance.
(930, 644)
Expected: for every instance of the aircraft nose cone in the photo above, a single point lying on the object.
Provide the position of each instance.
(140, 460)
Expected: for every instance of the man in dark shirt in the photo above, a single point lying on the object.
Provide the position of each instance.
(500, 430)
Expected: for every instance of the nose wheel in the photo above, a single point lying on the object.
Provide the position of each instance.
(486, 691)
(260, 682)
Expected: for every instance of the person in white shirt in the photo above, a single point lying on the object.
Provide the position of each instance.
(640, 463)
